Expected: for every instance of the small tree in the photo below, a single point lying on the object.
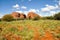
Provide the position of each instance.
(57, 16)
(36, 18)
(49, 17)
(0, 19)
(7, 17)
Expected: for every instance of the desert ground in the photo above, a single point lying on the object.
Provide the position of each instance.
(30, 30)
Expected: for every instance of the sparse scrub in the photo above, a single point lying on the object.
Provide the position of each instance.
(0, 19)
(57, 16)
(36, 18)
(30, 30)
(7, 17)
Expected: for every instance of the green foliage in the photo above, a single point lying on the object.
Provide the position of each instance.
(13, 29)
(21, 18)
(7, 17)
(48, 17)
(57, 16)
(43, 18)
(36, 18)
(0, 19)
(28, 33)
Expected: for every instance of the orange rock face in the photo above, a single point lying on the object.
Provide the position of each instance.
(32, 15)
(17, 15)
(22, 15)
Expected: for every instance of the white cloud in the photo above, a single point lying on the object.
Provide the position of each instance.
(52, 12)
(19, 11)
(1, 15)
(38, 10)
(33, 10)
(59, 3)
(24, 7)
(16, 6)
(25, 12)
(49, 8)
(43, 15)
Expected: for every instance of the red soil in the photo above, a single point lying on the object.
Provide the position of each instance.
(48, 35)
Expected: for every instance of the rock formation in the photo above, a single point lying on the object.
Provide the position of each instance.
(32, 15)
(17, 15)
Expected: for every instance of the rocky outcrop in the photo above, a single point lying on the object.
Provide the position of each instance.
(17, 15)
(22, 16)
(32, 15)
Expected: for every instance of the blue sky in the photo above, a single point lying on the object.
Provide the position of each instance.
(41, 7)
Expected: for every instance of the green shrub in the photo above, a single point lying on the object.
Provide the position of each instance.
(36, 18)
(22, 18)
(43, 18)
(7, 17)
(57, 16)
(0, 19)
(48, 17)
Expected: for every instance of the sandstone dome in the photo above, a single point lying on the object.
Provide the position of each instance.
(18, 15)
(32, 15)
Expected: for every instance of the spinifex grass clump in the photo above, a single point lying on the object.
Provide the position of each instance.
(30, 30)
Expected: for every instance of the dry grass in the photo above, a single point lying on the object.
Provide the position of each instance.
(30, 30)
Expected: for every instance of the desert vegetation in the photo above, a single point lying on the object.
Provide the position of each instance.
(30, 16)
(29, 19)
(57, 16)
(44, 28)
(30, 30)
(7, 17)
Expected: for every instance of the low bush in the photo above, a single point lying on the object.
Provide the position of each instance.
(36, 18)
(0, 19)
(7, 17)
(57, 16)
(48, 17)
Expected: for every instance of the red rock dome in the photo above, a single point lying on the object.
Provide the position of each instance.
(17, 15)
(32, 15)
